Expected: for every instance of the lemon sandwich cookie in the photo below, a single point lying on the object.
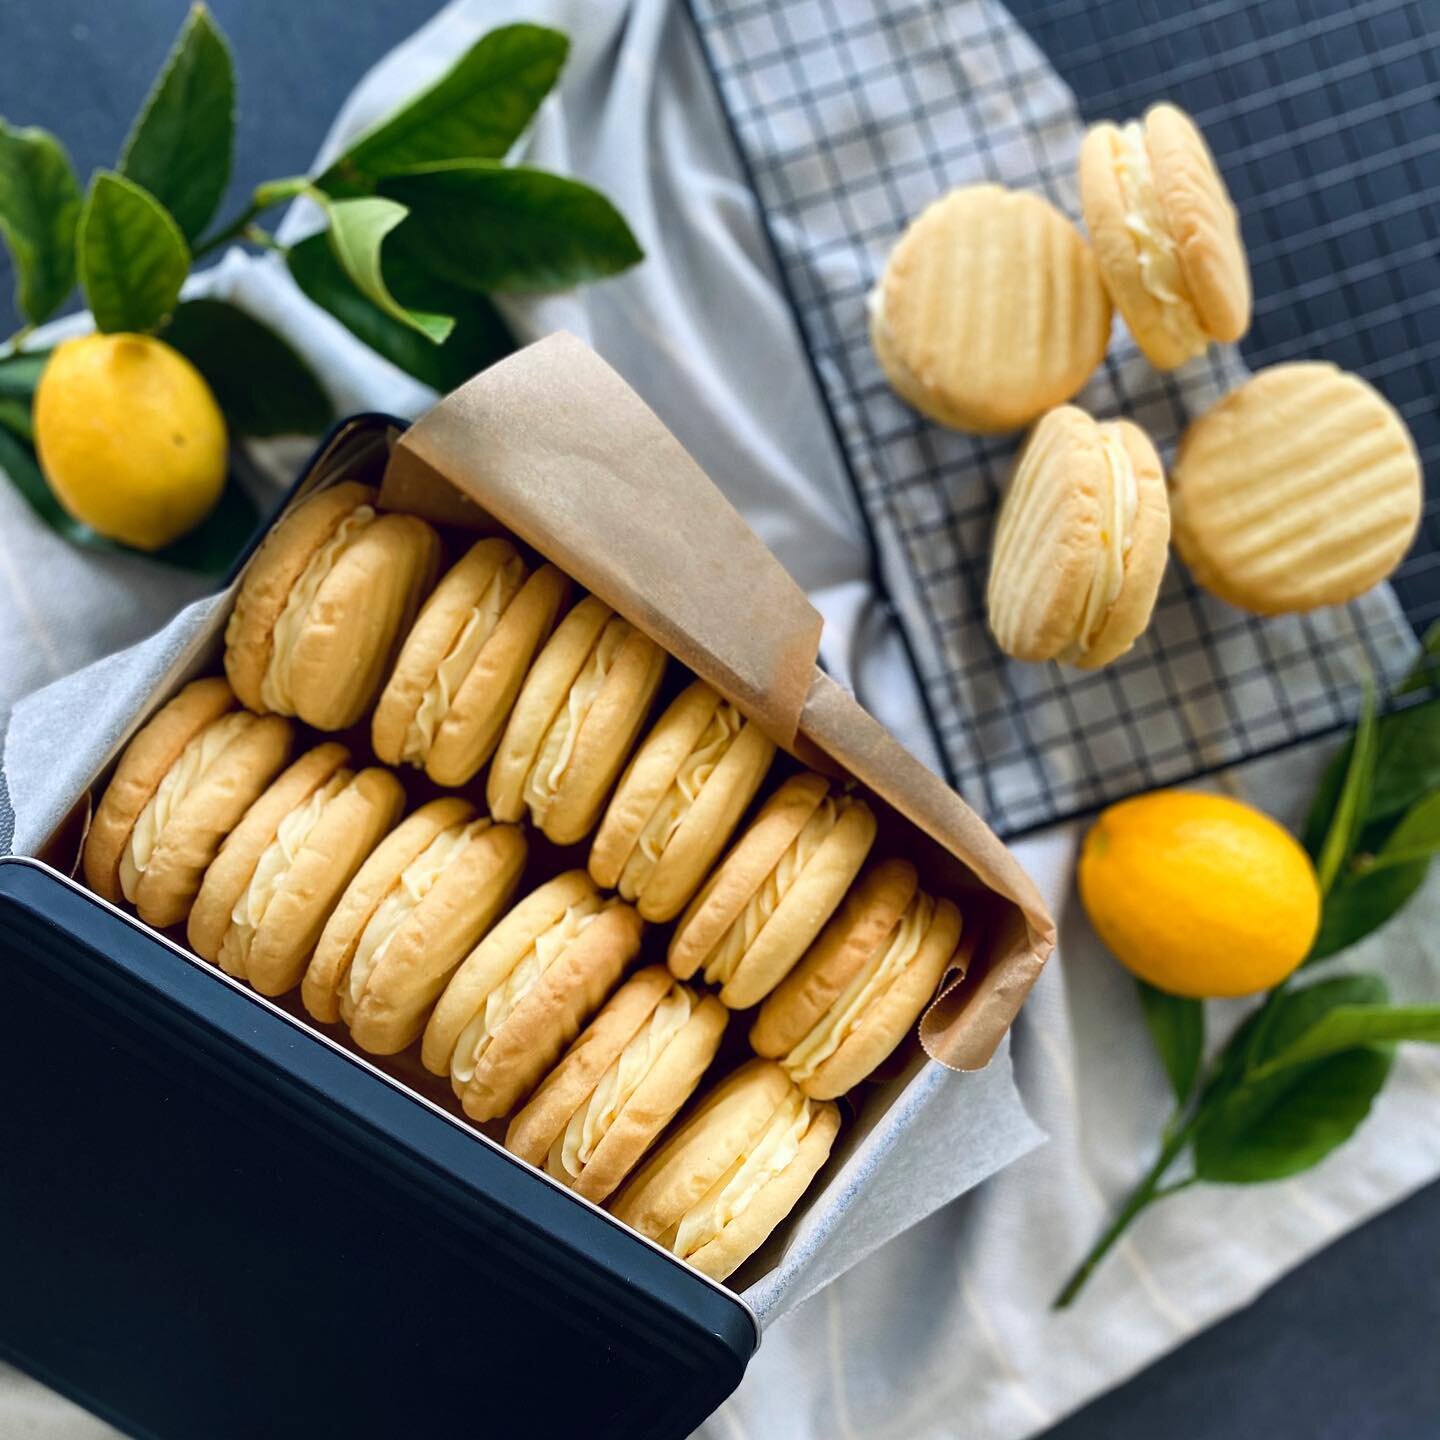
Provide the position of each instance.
(1166, 235)
(771, 896)
(727, 1176)
(182, 785)
(678, 802)
(990, 310)
(324, 604)
(463, 663)
(1301, 488)
(1081, 542)
(618, 1086)
(522, 995)
(281, 871)
(429, 891)
(578, 714)
(862, 985)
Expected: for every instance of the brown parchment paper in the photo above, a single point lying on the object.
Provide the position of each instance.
(556, 447)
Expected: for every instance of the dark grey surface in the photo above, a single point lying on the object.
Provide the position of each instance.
(1345, 1347)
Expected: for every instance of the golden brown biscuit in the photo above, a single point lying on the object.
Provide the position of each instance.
(323, 606)
(732, 1171)
(182, 785)
(578, 714)
(990, 310)
(1301, 488)
(620, 1083)
(463, 663)
(862, 985)
(1081, 542)
(774, 891)
(522, 995)
(429, 891)
(279, 874)
(1166, 235)
(678, 802)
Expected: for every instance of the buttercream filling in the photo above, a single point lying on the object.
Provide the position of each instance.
(275, 687)
(670, 813)
(268, 877)
(1144, 219)
(577, 1143)
(874, 979)
(173, 790)
(727, 1199)
(1119, 504)
(458, 662)
(556, 748)
(725, 958)
(544, 951)
(416, 881)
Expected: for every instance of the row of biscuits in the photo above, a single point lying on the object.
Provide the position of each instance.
(404, 929)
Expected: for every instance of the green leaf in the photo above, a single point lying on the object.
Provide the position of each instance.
(133, 258)
(20, 374)
(1416, 837)
(1408, 765)
(1269, 1128)
(1347, 1027)
(1298, 1011)
(1362, 904)
(483, 227)
(262, 385)
(208, 550)
(477, 110)
(15, 417)
(1177, 1026)
(180, 147)
(357, 230)
(1425, 672)
(479, 338)
(39, 209)
(1354, 797)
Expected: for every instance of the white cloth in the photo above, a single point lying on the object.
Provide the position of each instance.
(944, 1331)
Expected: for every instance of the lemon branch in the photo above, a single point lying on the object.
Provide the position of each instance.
(264, 197)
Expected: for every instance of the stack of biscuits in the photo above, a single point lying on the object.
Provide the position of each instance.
(448, 815)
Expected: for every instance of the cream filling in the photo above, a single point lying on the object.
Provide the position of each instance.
(725, 958)
(275, 687)
(268, 877)
(1144, 218)
(556, 748)
(728, 1197)
(1119, 504)
(574, 1147)
(544, 951)
(670, 813)
(458, 662)
(416, 881)
(875, 977)
(172, 792)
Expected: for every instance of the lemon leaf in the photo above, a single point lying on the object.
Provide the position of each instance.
(262, 385)
(1177, 1026)
(478, 108)
(1361, 905)
(133, 258)
(39, 210)
(1354, 798)
(180, 147)
(20, 374)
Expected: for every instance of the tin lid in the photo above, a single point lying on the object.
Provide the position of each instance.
(218, 1223)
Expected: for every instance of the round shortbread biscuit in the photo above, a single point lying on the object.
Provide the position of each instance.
(618, 1048)
(990, 310)
(145, 763)
(767, 901)
(678, 802)
(1080, 543)
(1166, 235)
(1302, 488)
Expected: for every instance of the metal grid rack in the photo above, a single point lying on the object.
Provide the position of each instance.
(851, 115)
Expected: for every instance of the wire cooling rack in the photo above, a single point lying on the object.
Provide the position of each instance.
(851, 115)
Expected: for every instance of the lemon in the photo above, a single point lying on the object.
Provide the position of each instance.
(1199, 894)
(130, 438)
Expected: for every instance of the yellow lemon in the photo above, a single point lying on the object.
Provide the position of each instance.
(130, 438)
(1199, 894)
